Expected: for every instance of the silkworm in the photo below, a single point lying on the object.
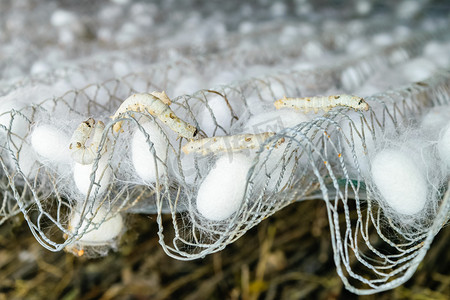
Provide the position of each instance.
(157, 104)
(325, 103)
(229, 143)
(81, 153)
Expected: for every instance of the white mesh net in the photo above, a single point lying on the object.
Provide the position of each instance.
(214, 198)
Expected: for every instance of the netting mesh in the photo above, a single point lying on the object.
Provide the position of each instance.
(321, 156)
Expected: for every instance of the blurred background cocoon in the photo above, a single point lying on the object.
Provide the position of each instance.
(214, 154)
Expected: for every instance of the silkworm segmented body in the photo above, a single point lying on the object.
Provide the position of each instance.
(157, 104)
(79, 151)
(229, 143)
(325, 103)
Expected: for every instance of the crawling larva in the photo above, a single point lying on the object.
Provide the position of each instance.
(157, 104)
(229, 143)
(79, 152)
(325, 103)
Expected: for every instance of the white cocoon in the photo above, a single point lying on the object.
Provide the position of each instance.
(19, 128)
(434, 120)
(400, 181)
(438, 52)
(444, 146)
(221, 113)
(62, 18)
(418, 69)
(20, 125)
(50, 143)
(82, 176)
(107, 231)
(222, 191)
(142, 156)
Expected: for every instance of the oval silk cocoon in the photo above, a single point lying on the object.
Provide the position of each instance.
(400, 182)
(222, 190)
(222, 116)
(82, 176)
(50, 143)
(6, 105)
(142, 156)
(107, 231)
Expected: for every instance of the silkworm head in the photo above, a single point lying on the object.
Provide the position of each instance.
(90, 122)
(195, 132)
(362, 105)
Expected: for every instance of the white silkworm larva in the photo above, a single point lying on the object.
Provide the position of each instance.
(157, 104)
(229, 143)
(79, 152)
(325, 103)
